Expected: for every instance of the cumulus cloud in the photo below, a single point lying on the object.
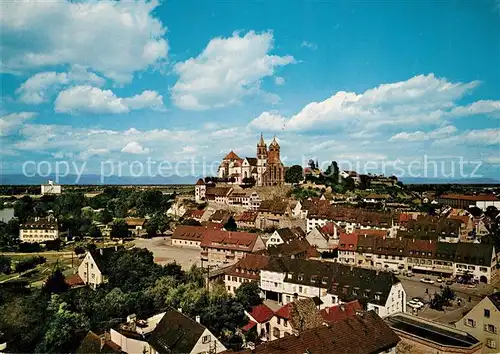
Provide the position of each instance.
(134, 147)
(90, 99)
(421, 136)
(423, 99)
(10, 123)
(114, 38)
(39, 87)
(227, 70)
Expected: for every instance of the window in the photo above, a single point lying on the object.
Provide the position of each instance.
(301, 277)
(375, 308)
(288, 298)
(483, 269)
(276, 332)
(289, 276)
(486, 313)
(278, 320)
(300, 289)
(469, 322)
(285, 323)
(377, 297)
(490, 343)
(490, 328)
(324, 281)
(206, 339)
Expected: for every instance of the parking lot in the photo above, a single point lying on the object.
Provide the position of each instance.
(415, 288)
(164, 252)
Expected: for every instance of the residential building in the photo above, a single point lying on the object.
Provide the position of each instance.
(271, 212)
(285, 279)
(477, 259)
(341, 311)
(285, 235)
(93, 269)
(347, 247)
(352, 174)
(259, 321)
(135, 225)
(245, 270)
(225, 247)
(294, 248)
(463, 201)
(483, 323)
(218, 195)
(51, 188)
(188, 236)
(419, 335)
(246, 198)
(364, 333)
(40, 230)
(246, 220)
(220, 216)
(168, 332)
(92, 343)
(294, 318)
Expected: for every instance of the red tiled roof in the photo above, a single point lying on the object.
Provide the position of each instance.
(197, 213)
(253, 262)
(422, 245)
(135, 221)
(241, 241)
(284, 311)
(200, 182)
(248, 326)
(404, 217)
(261, 313)
(74, 280)
(191, 233)
(329, 228)
(247, 216)
(339, 312)
(232, 156)
(371, 232)
(345, 240)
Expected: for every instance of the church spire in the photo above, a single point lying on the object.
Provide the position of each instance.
(261, 142)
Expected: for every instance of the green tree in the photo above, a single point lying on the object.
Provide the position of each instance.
(294, 174)
(69, 204)
(56, 283)
(119, 229)
(151, 228)
(231, 225)
(190, 222)
(161, 221)
(23, 208)
(5, 265)
(248, 294)
(9, 235)
(61, 330)
(105, 216)
(95, 232)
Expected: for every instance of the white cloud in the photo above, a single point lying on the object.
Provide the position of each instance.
(479, 107)
(421, 136)
(278, 80)
(423, 99)
(115, 38)
(227, 70)
(85, 155)
(39, 87)
(268, 121)
(480, 137)
(309, 45)
(12, 122)
(134, 147)
(86, 98)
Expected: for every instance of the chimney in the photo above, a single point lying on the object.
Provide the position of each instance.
(116, 248)
(179, 309)
(198, 319)
(101, 251)
(342, 307)
(327, 309)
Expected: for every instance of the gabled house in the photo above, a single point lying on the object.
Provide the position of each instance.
(92, 343)
(324, 238)
(285, 235)
(168, 332)
(258, 321)
(483, 322)
(271, 212)
(135, 225)
(245, 270)
(294, 318)
(93, 269)
(246, 219)
(188, 236)
(340, 311)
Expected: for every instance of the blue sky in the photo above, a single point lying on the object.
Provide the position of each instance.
(175, 80)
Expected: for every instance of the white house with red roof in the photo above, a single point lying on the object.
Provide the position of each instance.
(258, 319)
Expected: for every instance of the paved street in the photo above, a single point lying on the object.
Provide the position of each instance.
(164, 252)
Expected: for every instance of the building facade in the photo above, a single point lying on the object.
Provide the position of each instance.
(40, 230)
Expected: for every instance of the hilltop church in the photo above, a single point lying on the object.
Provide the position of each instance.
(267, 168)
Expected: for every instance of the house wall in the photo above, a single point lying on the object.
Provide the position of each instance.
(233, 282)
(186, 243)
(347, 257)
(271, 281)
(130, 345)
(89, 272)
(206, 343)
(315, 238)
(38, 235)
(284, 327)
(274, 240)
(486, 203)
(475, 323)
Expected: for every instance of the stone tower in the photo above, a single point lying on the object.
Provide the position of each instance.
(274, 175)
(261, 160)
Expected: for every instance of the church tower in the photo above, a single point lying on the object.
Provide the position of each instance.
(274, 174)
(274, 152)
(261, 160)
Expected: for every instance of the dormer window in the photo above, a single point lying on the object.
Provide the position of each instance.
(324, 281)
(301, 277)
(289, 275)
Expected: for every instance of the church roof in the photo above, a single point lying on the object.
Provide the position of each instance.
(232, 156)
(252, 161)
(200, 182)
(274, 142)
(261, 142)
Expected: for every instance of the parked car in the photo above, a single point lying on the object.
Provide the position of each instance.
(395, 271)
(449, 282)
(414, 304)
(439, 280)
(419, 299)
(427, 280)
(409, 273)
